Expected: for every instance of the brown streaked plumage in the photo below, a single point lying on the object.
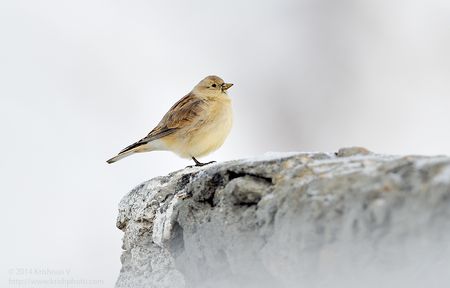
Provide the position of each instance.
(194, 126)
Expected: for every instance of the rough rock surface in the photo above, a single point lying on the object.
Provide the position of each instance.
(346, 219)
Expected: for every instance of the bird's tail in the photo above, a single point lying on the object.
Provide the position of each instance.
(133, 148)
(120, 156)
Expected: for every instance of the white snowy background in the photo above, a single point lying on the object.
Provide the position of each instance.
(79, 80)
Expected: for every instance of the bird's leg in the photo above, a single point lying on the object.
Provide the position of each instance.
(199, 164)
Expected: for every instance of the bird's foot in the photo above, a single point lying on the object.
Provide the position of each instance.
(203, 164)
(199, 164)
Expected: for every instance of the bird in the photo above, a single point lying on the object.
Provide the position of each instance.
(195, 126)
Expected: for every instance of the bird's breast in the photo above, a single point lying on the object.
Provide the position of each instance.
(210, 131)
(207, 133)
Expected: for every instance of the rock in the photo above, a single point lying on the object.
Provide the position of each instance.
(350, 219)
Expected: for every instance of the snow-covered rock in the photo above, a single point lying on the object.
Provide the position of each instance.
(346, 219)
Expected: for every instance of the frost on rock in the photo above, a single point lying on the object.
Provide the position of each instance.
(162, 226)
(346, 219)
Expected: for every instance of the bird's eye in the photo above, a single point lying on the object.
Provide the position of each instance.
(214, 85)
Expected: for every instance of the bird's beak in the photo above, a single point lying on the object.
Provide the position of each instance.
(226, 86)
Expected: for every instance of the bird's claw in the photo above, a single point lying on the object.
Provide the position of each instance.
(200, 164)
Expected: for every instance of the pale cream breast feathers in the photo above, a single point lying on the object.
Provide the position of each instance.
(206, 132)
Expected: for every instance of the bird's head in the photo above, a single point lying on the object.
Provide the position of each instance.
(212, 86)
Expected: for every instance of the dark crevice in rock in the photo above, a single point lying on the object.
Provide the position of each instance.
(209, 200)
(233, 175)
(184, 180)
(215, 182)
(245, 204)
(167, 197)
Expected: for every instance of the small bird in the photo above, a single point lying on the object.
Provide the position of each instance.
(194, 126)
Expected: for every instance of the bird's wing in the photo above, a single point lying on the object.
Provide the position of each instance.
(181, 114)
